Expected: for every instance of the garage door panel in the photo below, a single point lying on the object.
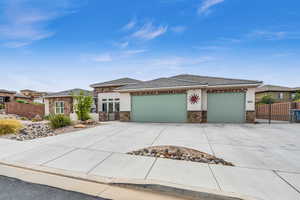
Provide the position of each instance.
(226, 107)
(159, 108)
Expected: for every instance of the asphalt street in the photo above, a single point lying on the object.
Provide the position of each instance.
(14, 189)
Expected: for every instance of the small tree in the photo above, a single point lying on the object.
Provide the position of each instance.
(297, 97)
(268, 99)
(83, 105)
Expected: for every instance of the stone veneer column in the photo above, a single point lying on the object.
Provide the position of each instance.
(250, 116)
(124, 116)
(103, 116)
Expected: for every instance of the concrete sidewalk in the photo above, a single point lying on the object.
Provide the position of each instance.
(101, 152)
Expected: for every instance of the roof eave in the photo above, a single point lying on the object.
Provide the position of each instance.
(160, 88)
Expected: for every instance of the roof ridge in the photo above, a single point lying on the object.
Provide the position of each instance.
(216, 77)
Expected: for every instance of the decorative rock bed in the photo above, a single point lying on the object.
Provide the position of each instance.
(180, 153)
(32, 131)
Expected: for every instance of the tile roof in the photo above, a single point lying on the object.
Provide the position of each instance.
(215, 81)
(20, 95)
(117, 82)
(274, 88)
(161, 83)
(186, 80)
(68, 93)
(7, 91)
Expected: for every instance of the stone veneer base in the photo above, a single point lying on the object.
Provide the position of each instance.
(250, 116)
(124, 116)
(197, 116)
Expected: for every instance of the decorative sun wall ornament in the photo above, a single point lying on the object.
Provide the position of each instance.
(194, 98)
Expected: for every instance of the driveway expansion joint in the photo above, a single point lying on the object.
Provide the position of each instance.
(292, 186)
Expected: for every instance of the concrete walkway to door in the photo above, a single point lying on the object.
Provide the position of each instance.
(266, 156)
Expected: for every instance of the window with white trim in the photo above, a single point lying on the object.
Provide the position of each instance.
(59, 107)
(1, 99)
(280, 95)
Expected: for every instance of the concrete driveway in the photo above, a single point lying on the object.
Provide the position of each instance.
(266, 156)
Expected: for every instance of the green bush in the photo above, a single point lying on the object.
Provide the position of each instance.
(21, 101)
(58, 121)
(297, 97)
(2, 106)
(268, 99)
(83, 106)
(8, 126)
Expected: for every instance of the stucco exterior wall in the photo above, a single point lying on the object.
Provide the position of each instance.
(125, 102)
(250, 99)
(204, 100)
(47, 111)
(196, 106)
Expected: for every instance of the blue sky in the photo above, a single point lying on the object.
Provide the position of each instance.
(63, 44)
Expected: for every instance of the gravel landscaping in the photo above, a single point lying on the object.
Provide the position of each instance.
(180, 153)
(40, 129)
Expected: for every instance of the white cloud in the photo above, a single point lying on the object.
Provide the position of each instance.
(130, 25)
(207, 4)
(181, 61)
(26, 21)
(269, 35)
(178, 29)
(148, 31)
(102, 58)
(133, 52)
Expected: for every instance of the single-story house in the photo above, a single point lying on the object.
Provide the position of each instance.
(62, 102)
(6, 96)
(10, 96)
(278, 93)
(181, 98)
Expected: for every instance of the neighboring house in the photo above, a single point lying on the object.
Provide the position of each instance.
(20, 96)
(36, 96)
(62, 102)
(182, 98)
(6, 96)
(10, 96)
(279, 93)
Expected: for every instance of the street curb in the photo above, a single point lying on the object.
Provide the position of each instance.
(166, 188)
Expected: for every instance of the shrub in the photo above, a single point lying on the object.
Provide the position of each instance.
(47, 117)
(268, 99)
(2, 106)
(297, 97)
(9, 126)
(58, 121)
(83, 106)
(21, 101)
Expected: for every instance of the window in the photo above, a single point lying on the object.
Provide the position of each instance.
(104, 107)
(280, 95)
(59, 107)
(293, 96)
(111, 105)
(1, 99)
(117, 106)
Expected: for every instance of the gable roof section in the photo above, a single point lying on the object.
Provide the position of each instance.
(117, 82)
(7, 91)
(215, 81)
(161, 83)
(273, 88)
(69, 93)
(20, 95)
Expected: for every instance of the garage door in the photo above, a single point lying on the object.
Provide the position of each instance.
(159, 108)
(226, 107)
